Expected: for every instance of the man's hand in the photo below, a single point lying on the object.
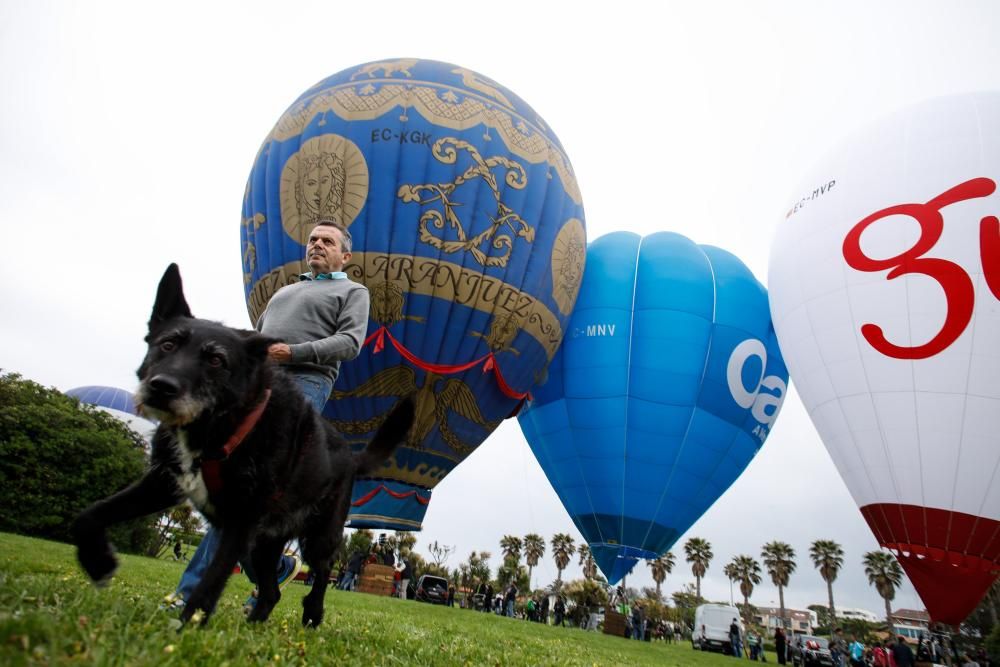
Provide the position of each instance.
(279, 352)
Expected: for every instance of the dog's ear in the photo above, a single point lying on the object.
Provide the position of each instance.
(256, 345)
(170, 301)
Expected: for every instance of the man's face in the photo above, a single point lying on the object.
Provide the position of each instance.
(325, 250)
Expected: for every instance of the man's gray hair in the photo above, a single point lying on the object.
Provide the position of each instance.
(346, 235)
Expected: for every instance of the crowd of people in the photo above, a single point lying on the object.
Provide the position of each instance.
(504, 603)
(552, 609)
(898, 652)
(850, 651)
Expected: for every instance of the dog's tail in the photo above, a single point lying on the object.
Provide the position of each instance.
(390, 435)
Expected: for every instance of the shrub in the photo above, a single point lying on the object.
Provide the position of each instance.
(57, 457)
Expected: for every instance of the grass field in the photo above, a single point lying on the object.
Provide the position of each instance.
(51, 614)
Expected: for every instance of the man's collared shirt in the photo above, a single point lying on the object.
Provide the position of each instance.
(335, 275)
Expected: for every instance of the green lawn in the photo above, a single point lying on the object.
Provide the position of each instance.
(50, 614)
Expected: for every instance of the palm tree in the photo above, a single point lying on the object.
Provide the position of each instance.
(730, 571)
(511, 548)
(828, 558)
(534, 548)
(698, 552)
(779, 559)
(885, 575)
(562, 549)
(746, 570)
(661, 567)
(587, 562)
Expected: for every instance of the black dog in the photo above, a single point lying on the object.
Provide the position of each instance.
(237, 439)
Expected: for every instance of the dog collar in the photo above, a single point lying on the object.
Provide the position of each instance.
(245, 426)
(210, 468)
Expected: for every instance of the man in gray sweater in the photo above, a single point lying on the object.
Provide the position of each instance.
(322, 319)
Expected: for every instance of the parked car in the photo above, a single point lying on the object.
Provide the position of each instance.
(432, 589)
(810, 651)
(711, 627)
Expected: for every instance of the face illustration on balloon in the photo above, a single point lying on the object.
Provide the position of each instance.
(321, 188)
(885, 292)
(460, 211)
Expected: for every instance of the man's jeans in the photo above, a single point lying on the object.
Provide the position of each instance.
(316, 389)
(348, 583)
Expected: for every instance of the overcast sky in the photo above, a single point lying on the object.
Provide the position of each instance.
(127, 131)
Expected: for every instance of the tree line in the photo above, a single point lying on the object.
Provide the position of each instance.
(777, 559)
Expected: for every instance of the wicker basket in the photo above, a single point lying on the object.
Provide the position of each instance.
(614, 623)
(376, 579)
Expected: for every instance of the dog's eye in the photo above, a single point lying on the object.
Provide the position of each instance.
(168, 346)
(216, 361)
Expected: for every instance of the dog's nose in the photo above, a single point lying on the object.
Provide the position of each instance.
(164, 385)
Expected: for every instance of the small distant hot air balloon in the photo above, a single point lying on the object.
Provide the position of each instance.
(665, 388)
(116, 402)
(884, 281)
(468, 231)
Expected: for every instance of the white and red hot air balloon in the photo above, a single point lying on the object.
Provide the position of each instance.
(885, 295)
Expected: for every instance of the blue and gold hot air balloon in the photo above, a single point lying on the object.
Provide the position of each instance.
(667, 384)
(468, 231)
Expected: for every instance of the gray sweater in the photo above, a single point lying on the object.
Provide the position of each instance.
(323, 322)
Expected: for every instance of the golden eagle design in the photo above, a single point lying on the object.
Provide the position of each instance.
(431, 408)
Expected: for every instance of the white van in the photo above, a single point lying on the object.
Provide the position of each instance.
(711, 627)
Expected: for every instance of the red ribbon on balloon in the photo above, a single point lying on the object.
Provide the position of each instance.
(363, 500)
(488, 360)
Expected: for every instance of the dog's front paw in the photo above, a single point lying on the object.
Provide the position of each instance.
(312, 614)
(99, 562)
(194, 614)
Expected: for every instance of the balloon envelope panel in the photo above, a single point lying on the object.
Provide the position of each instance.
(119, 403)
(468, 231)
(105, 397)
(884, 280)
(651, 408)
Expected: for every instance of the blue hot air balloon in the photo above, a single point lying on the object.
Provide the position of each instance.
(119, 404)
(111, 398)
(468, 231)
(666, 386)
